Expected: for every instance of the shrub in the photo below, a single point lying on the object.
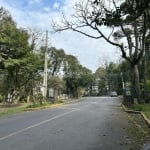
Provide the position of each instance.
(148, 85)
(1, 98)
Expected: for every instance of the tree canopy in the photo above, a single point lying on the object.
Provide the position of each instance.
(22, 64)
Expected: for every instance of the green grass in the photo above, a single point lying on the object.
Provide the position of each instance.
(147, 113)
(37, 105)
(60, 101)
(141, 107)
(12, 110)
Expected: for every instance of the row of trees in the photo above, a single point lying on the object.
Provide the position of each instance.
(22, 63)
(128, 25)
(19, 66)
(109, 79)
(22, 59)
(117, 77)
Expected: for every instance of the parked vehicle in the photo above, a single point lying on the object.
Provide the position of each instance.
(113, 94)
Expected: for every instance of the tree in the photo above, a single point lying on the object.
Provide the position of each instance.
(56, 60)
(125, 20)
(109, 78)
(101, 77)
(76, 76)
(113, 74)
(71, 74)
(58, 85)
(19, 65)
(35, 38)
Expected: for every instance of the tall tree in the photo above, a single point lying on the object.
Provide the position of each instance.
(18, 64)
(76, 76)
(101, 77)
(56, 60)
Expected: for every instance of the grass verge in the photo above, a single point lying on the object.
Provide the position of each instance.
(138, 131)
(145, 108)
(26, 107)
(38, 105)
(43, 105)
(12, 110)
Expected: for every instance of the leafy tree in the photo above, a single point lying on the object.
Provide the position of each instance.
(71, 74)
(109, 78)
(19, 65)
(86, 77)
(101, 76)
(58, 85)
(56, 59)
(76, 76)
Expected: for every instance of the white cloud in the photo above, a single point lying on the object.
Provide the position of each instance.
(56, 5)
(47, 9)
(35, 1)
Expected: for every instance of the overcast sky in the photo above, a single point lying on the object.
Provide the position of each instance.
(39, 13)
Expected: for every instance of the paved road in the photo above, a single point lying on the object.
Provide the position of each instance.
(93, 124)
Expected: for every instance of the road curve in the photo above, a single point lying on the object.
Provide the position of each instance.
(96, 123)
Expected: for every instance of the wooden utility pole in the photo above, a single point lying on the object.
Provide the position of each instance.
(45, 67)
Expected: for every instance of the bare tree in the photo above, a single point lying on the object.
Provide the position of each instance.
(36, 38)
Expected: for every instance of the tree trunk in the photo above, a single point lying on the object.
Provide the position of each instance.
(28, 99)
(136, 84)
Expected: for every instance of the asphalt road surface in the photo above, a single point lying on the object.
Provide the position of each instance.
(93, 124)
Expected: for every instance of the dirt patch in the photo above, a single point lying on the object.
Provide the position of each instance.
(10, 105)
(139, 131)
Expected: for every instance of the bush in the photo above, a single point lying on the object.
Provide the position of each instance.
(148, 85)
(38, 99)
(36, 105)
(1, 98)
(60, 101)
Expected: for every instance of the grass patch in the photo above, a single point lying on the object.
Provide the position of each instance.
(141, 107)
(60, 101)
(147, 113)
(38, 105)
(138, 131)
(44, 105)
(12, 110)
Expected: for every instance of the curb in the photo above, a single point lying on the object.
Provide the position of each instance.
(145, 118)
(138, 112)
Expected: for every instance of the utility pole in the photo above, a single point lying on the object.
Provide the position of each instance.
(45, 67)
(123, 86)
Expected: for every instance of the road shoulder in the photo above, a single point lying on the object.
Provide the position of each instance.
(139, 129)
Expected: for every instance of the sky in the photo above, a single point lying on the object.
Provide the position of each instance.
(39, 14)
